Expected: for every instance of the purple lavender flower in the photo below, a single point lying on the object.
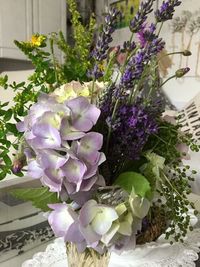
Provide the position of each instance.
(136, 64)
(135, 123)
(134, 69)
(141, 16)
(146, 35)
(128, 46)
(102, 45)
(166, 10)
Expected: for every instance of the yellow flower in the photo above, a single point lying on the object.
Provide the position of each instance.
(37, 40)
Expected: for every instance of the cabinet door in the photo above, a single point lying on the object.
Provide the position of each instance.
(15, 24)
(50, 16)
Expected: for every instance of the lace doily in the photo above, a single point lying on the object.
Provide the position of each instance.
(155, 254)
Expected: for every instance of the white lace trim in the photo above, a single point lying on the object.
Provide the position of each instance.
(155, 254)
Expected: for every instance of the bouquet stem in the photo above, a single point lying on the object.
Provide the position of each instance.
(89, 258)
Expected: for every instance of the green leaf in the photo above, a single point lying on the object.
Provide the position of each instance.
(8, 115)
(7, 160)
(4, 152)
(40, 197)
(152, 168)
(4, 104)
(130, 180)
(2, 175)
(2, 112)
(5, 142)
(12, 128)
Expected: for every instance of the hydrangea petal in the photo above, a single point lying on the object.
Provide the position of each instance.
(46, 137)
(84, 115)
(89, 234)
(53, 179)
(34, 169)
(73, 234)
(103, 220)
(51, 159)
(88, 212)
(61, 218)
(89, 146)
(74, 170)
(68, 132)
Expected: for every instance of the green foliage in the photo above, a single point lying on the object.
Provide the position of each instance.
(77, 60)
(136, 181)
(152, 168)
(40, 197)
(3, 81)
(164, 143)
(49, 73)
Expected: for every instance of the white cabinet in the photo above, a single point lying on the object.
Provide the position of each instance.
(19, 19)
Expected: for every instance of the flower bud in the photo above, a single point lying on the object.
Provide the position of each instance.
(18, 163)
(181, 72)
(186, 53)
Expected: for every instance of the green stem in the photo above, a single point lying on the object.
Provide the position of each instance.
(54, 61)
(92, 91)
(173, 188)
(108, 68)
(110, 127)
(2, 121)
(160, 28)
(160, 139)
(117, 101)
(170, 54)
(174, 76)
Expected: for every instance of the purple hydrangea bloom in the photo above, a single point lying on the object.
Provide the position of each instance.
(166, 10)
(62, 154)
(85, 229)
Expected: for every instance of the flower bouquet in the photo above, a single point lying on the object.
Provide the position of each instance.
(108, 159)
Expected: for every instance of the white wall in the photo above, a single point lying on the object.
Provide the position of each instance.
(182, 90)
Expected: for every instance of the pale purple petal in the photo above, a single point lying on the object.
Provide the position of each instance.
(89, 146)
(68, 132)
(74, 170)
(61, 218)
(53, 179)
(87, 185)
(73, 234)
(51, 159)
(34, 169)
(78, 104)
(21, 126)
(84, 115)
(81, 246)
(88, 212)
(82, 123)
(93, 113)
(89, 235)
(91, 171)
(70, 187)
(46, 137)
